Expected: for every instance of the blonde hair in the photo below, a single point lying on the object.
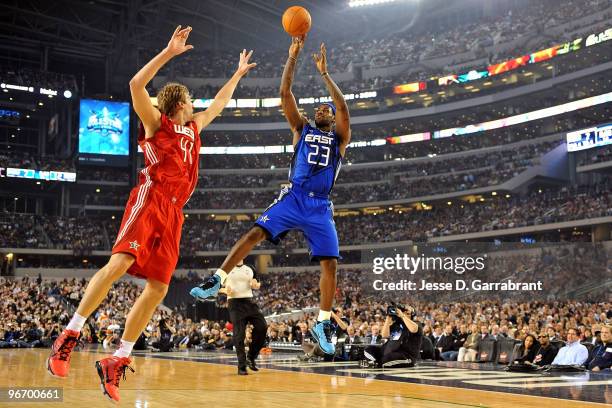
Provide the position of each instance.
(169, 96)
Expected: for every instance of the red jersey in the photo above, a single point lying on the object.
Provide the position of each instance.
(171, 160)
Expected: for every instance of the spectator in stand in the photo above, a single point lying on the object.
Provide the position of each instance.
(446, 344)
(601, 357)
(573, 353)
(528, 350)
(374, 337)
(469, 351)
(547, 351)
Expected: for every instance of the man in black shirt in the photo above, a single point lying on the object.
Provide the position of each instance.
(547, 351)
(446, 344)
(404, 335)
(33, 336)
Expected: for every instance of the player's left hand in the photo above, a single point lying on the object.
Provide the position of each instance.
(243, 65)
(399, 312)
(321, 59)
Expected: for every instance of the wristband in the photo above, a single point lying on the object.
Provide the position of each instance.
(293, 58)
(324, 73)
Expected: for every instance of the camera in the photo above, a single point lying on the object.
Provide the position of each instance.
(393, 308)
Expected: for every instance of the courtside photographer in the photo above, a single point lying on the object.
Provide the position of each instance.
(404, 337)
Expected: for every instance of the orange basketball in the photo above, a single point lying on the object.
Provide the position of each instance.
(296, 21)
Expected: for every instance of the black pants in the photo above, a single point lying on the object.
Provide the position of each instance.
(384, 356)
(243, 311)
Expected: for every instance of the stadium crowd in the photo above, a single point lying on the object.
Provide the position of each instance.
(599, 155)
(35, 310)
(495, 213)
(399, 188)
(204, 233)
(26, 160)
(466, 42)
(518, 156)
(393, 150)
(31, 77)
(469, 171)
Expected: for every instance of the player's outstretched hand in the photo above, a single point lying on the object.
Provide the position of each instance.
(176, 45)
(243, 65)
(297, 43)
(321, 59)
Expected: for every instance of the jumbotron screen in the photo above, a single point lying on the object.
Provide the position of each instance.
(104, 132)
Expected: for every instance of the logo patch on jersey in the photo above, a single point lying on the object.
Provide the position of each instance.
(321, 139)
(184, 130)
(134, 245)
(264, 219)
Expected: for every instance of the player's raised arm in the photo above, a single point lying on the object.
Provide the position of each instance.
(343, 119)
(148, 114)
(224, 95)
(290, 108)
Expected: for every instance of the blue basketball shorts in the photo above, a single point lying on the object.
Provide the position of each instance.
(299, 210)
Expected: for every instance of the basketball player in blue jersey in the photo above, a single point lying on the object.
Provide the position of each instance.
(305, 204)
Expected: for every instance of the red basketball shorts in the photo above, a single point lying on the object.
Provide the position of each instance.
(151, 232)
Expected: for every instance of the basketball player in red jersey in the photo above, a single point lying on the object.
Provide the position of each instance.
(147, 244)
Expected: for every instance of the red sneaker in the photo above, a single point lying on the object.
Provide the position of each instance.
(58, 364)
(110, 370)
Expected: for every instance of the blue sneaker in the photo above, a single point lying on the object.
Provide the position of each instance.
(207, 290)
(321, 333)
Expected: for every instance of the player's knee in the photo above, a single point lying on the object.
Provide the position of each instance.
(156, 289)
(329, 266)
(118, 265)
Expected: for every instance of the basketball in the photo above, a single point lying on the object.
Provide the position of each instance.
(296, 21)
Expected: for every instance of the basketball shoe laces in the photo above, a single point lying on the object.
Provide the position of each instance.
(327, 331)
(119, 373)
(67, 346)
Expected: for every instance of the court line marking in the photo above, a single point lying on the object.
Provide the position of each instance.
(596, 404)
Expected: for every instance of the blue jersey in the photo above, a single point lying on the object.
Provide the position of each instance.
(316, 161)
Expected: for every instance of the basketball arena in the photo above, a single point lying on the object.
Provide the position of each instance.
(396, 203)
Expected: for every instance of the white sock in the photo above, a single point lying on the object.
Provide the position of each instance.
(221, 274)
(125, 348)
(323, 315)
(76, 323)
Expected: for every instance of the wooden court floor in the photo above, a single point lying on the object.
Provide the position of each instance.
(178, 383)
